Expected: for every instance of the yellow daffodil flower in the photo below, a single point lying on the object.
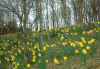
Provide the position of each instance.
(7, 59)
(83, 39)
(33, 52)
(17, 64)
(44, 48)
(28, 65)
(39, 61)
(38, 49)
(0, 62)
(12, 58)
(14, 68)
(19, 50)
(28, 43)
(33, 60)
(74, 27)
(67, 30)
(14, 62)
(83, 32)
(62, 37)
(75, 33)
(5, 44)
(47, 45)
(90, 31)
(81, 44)
(88, 47)
(76, 51)
(39, 54)
(64, 43)
(53, 45)
(84, 51)
(36, 46)
(10, 52)
(34, 57)
(91, 41)
(46, 61)
(72, 44)
(56, 61)
(1, 52)
(62, 30)
(65, 57)
(50, 29)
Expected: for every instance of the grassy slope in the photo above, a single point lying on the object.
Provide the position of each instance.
(91, 64)
(75, 60)
(8, 36)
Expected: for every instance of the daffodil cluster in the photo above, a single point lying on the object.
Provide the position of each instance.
(57, 47)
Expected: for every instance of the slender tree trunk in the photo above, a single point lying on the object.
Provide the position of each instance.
(25, 15)
(64, 10)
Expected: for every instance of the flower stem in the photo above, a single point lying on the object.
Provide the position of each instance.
(83, 62)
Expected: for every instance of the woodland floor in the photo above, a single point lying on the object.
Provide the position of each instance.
(93, 62)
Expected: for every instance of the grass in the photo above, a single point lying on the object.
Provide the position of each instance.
(75, 61)
(8, 36)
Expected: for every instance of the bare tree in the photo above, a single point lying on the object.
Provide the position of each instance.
(21, 8)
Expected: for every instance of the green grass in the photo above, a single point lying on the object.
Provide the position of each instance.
(8, 36)
(59, 51)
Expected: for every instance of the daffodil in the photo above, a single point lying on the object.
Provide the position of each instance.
(22, 48)
(62, 37)
(33, 52)
(67, 30)
(34, 56)
(19, 50)
(76, 51)
(39, 61)
(16, 54)
(84, 51)
(53, 45)
(13, 62)
(39, 54)
(50, 30)
(14, 68)
(90, 31)
(62, 30)
(1, 52)
(47, 45)
(73, 44)
(64, 43)
(38, 49)
(74, 27)
(56, 61)
(10, 52)
(5, 44)
(36, 46)
(81, 44)
(33, 60)
(0, 62)
(17, 64)
(83, 39)
(28, 65)
(7, 59)
(88, 47)
(44, 48)
(46, 60)
(28, 43)
(65, 58)
(75, 33)
(84, 32)
(91, 41)
(12, 58)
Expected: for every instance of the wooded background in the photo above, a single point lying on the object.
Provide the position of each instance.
(25, 15)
